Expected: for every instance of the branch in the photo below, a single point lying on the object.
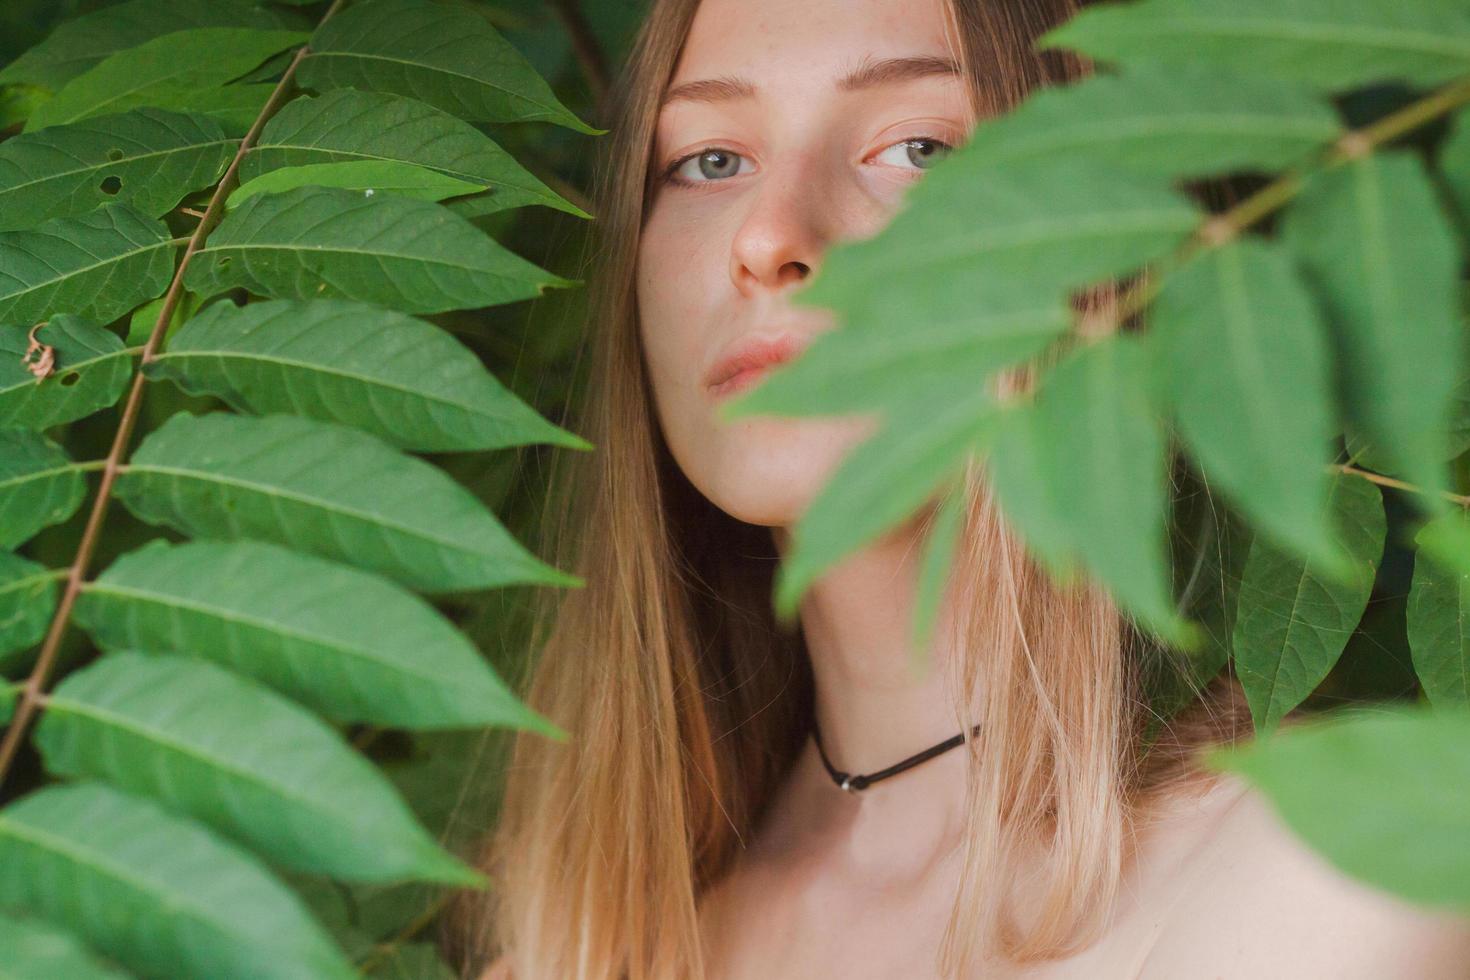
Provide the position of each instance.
(36, 682)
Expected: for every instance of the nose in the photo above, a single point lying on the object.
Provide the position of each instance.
(780, 241)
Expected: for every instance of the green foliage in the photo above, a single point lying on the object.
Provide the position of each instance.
(204, 761)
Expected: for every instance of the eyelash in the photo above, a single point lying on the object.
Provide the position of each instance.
(669, 172)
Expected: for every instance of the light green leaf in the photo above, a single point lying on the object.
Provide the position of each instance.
(1057, 225)
(1454, 162)
(105, 862)
(367, 177)
(347, 125)
(1333, 45)
(318, 242)
(17, 102)
(37, 949)
(168, 726)
(81, 42)
(221, 475)
(39, 485)
(1439, 622)
(234, 107)
(27, 602)
(934, 573)
(155, 71)
(1374, 243)
(349, 644)
(405, 380)
(97, 265)
(877, 485)
(1080, 473)
(436, 53)
(1245, 361)
(145, 318)
(1384, 795)
(147, 158)
(1189, 120)
(1293, 622)
(92, 371)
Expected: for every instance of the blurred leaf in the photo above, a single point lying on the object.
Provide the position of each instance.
(1439, 625)
(39, 949)
(934, 572)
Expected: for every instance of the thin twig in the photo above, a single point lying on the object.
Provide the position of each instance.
(36, 682)
(419, 922)
(585, 47)
(1388, 481)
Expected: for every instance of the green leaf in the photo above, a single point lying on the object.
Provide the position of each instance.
(367, 177)
(1188, 120)
(1057, 225)
(27, 602)
(221, 475)
(9, 694)
(347, 125)
(1439, 623)
(39, 485)
(1454, 162)
(349, 644)
(436, 53)
(17, 102)
(81, 42)
(168, 726)
(234, 107)
(156, 71)
(1245, 360)
(877, 485)
(1383, 795)
(318, 242)
(934, 572)
(106, 862)
(1375, 244)
(147, 158)
(92, 371)
(1293, 621)
(1080, 472)
(98, 265)
(38, 949)
(1330, 44)
(402, 379)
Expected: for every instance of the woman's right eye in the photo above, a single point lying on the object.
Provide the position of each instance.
(704, 167)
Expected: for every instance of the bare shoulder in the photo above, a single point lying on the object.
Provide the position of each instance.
(1256, 901)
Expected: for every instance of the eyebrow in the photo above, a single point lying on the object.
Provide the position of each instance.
(866, 75)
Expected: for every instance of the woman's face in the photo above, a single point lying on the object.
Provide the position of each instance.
(788, 127)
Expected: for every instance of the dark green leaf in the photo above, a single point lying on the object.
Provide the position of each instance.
(400, 378)
(325, 489)
(39, 485)
(147, 158)
(349, 644)
(97, 265)
(318, 242)
(1293, 621)
(437, 53)
(348, 125)
(92, 371)
(105, 862)
(1439, 625)
(27, 602)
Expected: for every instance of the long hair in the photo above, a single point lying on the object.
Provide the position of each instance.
(686, 703)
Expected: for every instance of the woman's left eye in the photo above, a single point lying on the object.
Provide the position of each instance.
(921, 152)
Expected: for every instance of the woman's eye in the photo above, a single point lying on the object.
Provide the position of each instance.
(921, 152)
(706, 166)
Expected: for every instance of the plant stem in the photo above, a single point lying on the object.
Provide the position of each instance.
(35, 684)
(1388, 481)
(383, 950)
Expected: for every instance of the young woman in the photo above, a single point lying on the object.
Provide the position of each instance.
(691, 827)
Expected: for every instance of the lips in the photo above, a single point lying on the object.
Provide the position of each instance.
(747, 360)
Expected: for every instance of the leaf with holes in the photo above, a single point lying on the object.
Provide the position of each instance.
(350, 126)
(92, 370)
(105, 861)
(168, 726)
(147, 158)
(39, 485)
(448, 57)
(352, 645)
(328, 490)
(319, 242)
(155, 71)
(395, 376)
(98, 265)
(27, 602)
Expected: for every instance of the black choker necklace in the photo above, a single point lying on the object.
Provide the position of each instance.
(853, 782)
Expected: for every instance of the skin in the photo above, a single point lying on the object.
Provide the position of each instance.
(861, 885)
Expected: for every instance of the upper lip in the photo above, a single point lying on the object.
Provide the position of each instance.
(754, 351)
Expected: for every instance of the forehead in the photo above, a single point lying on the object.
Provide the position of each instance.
(815, 39)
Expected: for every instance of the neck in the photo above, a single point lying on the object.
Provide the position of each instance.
(874, 710)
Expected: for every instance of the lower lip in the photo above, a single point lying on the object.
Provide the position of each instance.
(739, 382)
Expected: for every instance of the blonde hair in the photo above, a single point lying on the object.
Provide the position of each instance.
(686, 704)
